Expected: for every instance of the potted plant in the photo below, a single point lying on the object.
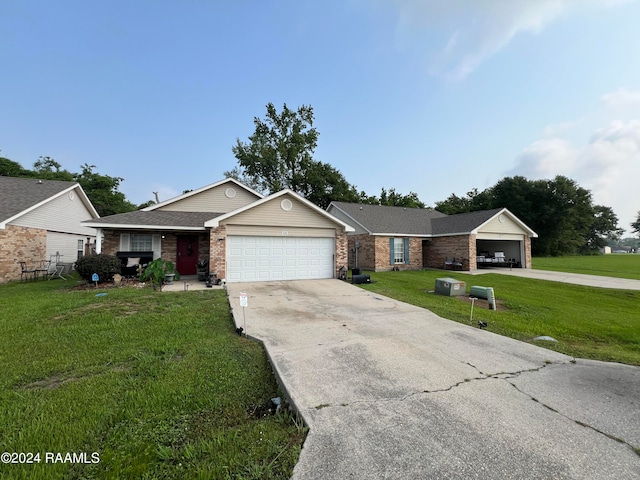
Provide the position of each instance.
(160, 272)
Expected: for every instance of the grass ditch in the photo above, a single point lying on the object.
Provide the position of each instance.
(158, 384)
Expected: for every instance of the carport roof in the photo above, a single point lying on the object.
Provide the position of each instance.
(156, 219)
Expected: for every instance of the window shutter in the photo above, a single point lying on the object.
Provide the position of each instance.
(156, 246)
(125, 242)
(406, 251)
(391, 252)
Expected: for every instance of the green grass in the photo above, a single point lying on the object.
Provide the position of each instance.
(588, 322)
(621, 265)
(158, 384)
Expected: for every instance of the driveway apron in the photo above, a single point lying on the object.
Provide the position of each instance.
(390, 390)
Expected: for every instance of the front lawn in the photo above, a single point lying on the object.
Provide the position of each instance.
(621, 265)
(158, 385)
(588, 322)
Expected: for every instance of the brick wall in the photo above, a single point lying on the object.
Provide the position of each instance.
(459, 247)
(527, 252)
(218, 251)
(20, 244)
(366, 251)
(342, 252)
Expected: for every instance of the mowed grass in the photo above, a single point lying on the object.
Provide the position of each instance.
(622, 265)
(157, 384)
(588, 322)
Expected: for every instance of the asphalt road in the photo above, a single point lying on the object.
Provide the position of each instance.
(390, 390)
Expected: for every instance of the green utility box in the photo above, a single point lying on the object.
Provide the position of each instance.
(449, 287)
(484, 292)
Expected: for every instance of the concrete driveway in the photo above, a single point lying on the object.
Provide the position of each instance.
(390, 390)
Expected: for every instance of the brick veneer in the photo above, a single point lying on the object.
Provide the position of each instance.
(218, 251)
(342, 252)
(20, 244)
(459, 247)
(374, 253)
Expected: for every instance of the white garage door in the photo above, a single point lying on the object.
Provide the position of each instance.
(255, 259)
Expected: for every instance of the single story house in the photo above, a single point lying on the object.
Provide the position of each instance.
(244, 235)
(41, 220)
(390, 238)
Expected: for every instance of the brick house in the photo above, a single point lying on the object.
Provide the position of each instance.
(42, 220)
(388, 238)
(244, 235)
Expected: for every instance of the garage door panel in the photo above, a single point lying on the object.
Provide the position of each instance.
(277, 258)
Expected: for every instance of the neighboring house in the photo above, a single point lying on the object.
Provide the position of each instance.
(388, 238)
(245, 236)
(41, 220)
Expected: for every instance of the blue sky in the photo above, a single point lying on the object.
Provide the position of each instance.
(418, 95)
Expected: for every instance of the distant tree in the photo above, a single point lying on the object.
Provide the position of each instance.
(9, 168)
(47, 168)
(636, 225)
(394, 199)
(474, 201)
(604, 229)
(103, 191)
(279, 155)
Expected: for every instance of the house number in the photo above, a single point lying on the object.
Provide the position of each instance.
(285, 232)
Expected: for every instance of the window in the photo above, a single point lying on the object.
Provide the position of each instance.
(398, 250)
(141, 242)
(80, 248)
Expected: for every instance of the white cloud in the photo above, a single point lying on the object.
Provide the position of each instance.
(608, 165)
(622, 98)
(479, 29)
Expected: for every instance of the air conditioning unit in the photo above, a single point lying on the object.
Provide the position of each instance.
(449, 287)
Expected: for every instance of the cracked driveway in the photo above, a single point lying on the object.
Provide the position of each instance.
(390, 390)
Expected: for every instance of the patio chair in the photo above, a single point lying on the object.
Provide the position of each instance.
(43, 269)
(26, 272)
(448, 263)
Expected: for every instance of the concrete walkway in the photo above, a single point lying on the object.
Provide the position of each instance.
(575, 278)
(390, 390)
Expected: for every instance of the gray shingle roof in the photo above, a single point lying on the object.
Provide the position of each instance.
(20, 194)
(384, 219)
(413, 221)
(157, 218)
(462, 222)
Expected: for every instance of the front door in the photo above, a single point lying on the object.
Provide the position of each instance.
(187, 254)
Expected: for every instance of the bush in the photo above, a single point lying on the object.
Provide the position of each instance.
(106, 266)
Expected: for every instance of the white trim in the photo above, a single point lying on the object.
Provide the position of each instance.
(349, 216)
(512, 217)
(200, 190)
(137, 226)
(215, 222)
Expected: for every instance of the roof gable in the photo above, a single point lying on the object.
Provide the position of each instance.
(19, 196)
(260, 212)
(221, 197)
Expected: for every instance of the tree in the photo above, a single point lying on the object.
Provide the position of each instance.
(636, 225)
(103, 191)
(280, 152)
(9, 168)
(279, 155)
(474, 201)
(604, 229)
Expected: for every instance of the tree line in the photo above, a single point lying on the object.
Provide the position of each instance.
(279, 155)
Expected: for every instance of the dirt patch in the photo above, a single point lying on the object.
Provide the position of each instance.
(60, 379)
(481, 302)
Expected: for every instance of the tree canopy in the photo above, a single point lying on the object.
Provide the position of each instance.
(558, 210)
(636, 225)
(102, 190)
(279, 155)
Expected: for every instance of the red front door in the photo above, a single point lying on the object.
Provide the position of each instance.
(187, 254)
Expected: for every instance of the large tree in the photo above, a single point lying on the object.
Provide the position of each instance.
(279, 155)
(558, 210)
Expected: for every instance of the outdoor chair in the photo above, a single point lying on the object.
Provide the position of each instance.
(43, 269)
(26, 272)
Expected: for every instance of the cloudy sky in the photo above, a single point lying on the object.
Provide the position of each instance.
(418, 95)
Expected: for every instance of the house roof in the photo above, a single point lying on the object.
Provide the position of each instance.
(386, 220)
(382, 219)
(155, 220)
(19, 196)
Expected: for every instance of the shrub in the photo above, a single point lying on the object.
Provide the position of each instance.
(106, 266)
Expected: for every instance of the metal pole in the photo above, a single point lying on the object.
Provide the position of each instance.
(473, 299)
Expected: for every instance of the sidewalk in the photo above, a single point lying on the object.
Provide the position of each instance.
(564, 277)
